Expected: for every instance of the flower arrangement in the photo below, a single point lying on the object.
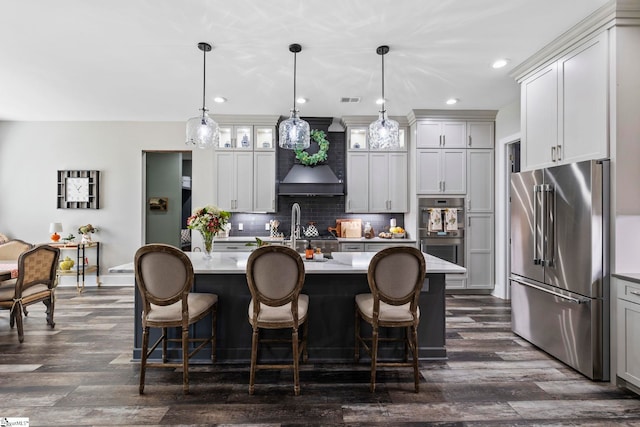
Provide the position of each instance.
(208, 220)
(86, 231)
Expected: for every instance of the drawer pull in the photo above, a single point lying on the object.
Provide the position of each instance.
(636, 293)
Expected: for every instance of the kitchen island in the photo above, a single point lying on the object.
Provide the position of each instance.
(331, 286)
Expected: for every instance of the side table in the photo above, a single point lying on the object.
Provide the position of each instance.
(82, 263)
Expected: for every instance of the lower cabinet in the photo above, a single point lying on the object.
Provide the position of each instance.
(373, 246)
(351, 247)
(479, 251)
(628, 331)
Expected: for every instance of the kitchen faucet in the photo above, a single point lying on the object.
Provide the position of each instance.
(295, 224)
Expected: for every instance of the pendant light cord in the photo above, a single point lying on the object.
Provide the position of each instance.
(295, 55)
(383, 100)
(204, 80)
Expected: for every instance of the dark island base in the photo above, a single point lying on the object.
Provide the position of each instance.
(331, 321)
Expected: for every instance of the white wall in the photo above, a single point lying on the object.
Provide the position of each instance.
(32, 152)
(507, 132)
(508, 120)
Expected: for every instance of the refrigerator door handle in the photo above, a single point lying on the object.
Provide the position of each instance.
(550, 229)
(555, 294)
(536, 260)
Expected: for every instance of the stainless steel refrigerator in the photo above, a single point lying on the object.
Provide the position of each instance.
(560, 263)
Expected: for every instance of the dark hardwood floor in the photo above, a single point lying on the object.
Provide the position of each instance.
(79, 374)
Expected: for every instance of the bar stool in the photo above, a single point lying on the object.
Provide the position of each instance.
(395, 278)
(164, 276)
(275, 275)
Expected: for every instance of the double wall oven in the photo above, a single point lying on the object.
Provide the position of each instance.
(441, 228)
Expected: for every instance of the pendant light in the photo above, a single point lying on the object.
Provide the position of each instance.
(384, 133)
(203, 131)
(294, 132)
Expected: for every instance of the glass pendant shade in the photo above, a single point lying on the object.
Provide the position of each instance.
(384, 133)
(295, 133)
(203, 132)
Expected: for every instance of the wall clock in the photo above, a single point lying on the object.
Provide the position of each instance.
(78, 189)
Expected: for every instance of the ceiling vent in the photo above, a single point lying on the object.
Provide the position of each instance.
(352, 99)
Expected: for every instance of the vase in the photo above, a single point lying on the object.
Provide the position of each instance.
(207, 238)
(86, 238)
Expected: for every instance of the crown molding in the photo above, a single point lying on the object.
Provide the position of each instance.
(481, 115)
(614, 13)
(348, 121)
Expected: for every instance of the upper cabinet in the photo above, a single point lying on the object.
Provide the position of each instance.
(564, 107)
(377, 180)
(245, 164)
(357, 138)
(441, 134)
(444, 141)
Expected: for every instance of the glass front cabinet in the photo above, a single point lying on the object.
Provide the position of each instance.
(245, 163)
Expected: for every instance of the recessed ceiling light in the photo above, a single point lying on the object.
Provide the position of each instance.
(219, 99)
(499, 63)
(302, 100)
(452, 101)
(380, 101)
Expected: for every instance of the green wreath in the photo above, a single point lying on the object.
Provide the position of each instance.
(321, 156)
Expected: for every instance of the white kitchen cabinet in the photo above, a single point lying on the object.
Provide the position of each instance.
(264, 188)
(357, 199)
(479, 241)
(539, 104)
(234, 180)
(441, 134)
(564, 108)
(441, 171)
(388, 182)
(583, 102)
(351, 247)
(480, 134)
(628, 331)
(480, 188)
(375, 247)
(234, 137)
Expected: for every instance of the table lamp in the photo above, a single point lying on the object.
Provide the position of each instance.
(54, 227)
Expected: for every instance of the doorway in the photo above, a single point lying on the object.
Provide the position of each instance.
(167, 197)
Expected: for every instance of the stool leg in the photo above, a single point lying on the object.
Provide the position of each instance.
(143, 357)
(254, 358)
(416, 374)
(185, 359)
(296, 362)
(356, 353)
(374, 356)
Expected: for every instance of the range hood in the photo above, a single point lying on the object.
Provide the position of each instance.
(311, 181)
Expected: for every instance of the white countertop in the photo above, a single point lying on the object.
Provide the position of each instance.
(343, 263)
(251, 239)
(373, 240)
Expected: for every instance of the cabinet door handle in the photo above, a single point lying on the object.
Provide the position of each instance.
(440, 144)
(559, 152)
(469, 222)
(349, 203)
(444, 140)
(273, 204)
(444, 186)
(553, 154)
(469, 140)
(469, 203)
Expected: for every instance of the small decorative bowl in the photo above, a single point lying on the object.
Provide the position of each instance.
(399, 235)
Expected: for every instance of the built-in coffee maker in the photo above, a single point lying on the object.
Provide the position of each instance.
(441, 228)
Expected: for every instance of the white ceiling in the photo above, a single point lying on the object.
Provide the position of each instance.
(138, 59)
